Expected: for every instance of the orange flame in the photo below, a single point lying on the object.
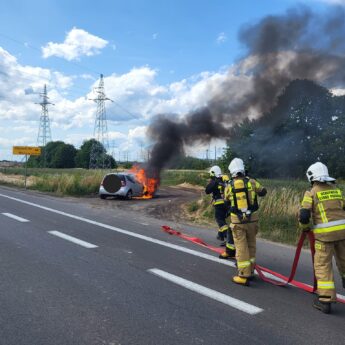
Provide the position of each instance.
(150, 184)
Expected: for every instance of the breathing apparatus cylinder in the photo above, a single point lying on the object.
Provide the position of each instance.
(241, 196)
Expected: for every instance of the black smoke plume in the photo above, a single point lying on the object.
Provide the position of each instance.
(279, 49)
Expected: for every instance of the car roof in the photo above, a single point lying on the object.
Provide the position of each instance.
(121, 174)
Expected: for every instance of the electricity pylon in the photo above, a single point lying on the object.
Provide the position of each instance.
(98, 158)
(44, 132)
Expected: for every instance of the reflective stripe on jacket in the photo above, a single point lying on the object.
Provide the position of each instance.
(326, 203)
(216, 188)
(253, 187)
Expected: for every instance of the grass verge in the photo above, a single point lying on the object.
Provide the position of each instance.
(278, 210)
(277, 213)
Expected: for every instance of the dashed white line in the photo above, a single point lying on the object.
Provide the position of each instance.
(126, 232)
(215, 295)
(132, 234)
(73, 239)
(19, 219)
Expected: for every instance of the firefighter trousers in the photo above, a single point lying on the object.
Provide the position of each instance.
(324, 252)
(220, 216)
(245, 243)
(230, 246)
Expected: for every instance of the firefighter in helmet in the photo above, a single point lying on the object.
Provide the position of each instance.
(216, 187)
(242, 193)
(322, 211)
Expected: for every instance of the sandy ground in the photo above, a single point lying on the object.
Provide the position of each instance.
(16, 179)
(169, 203)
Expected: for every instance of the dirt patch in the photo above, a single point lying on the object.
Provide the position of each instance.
(189, 186)
(169, 203)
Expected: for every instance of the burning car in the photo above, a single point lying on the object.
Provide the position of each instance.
(120, 185)
(128, 185)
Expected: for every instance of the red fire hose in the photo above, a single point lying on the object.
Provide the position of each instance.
(264, 272)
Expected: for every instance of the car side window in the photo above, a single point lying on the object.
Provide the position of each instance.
(130, 179)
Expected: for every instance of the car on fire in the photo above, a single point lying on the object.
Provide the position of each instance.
(123, 185)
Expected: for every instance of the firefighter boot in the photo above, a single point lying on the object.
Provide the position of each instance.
(252, 276)
(228, 254)
(325, 307)
(220, 236)
(240, 280)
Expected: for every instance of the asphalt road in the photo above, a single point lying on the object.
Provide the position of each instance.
(75, 274)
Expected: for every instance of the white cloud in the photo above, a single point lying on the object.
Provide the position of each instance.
(77, 43)
(137, 94)
(338, 92)
(221, 38)
(155, 36)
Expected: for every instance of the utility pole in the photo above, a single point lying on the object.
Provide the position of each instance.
(44, 132)
(98, 158)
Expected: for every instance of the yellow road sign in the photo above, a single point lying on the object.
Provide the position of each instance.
(26, 150)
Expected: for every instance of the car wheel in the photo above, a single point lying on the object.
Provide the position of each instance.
(129, 195)
(102, 196)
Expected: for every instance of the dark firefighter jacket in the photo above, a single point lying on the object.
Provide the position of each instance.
(216, 187)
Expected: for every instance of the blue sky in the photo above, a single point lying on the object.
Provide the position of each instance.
(157, 56)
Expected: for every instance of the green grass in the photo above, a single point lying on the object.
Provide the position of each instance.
(278, 210)
(75, 182)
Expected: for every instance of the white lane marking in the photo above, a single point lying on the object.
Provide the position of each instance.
(217, 296)
(73, 239)
(132, 234)
(128, 233)
(19, 219)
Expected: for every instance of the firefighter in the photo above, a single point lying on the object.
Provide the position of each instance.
(322, 211)
(242, 193)
(216, 187)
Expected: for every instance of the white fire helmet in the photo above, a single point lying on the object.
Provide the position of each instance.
(318, 172)
(215, 171)
(236, 166)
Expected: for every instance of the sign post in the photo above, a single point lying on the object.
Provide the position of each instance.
(26, 150)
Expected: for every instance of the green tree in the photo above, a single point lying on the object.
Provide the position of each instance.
(64, 156)
(47, 153)
(82, 158)
(306, 125)
(188, 162)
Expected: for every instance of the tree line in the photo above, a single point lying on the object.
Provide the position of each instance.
(306, 125)
(58, 154)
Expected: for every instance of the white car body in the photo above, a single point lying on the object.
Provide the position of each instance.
(130, 187)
